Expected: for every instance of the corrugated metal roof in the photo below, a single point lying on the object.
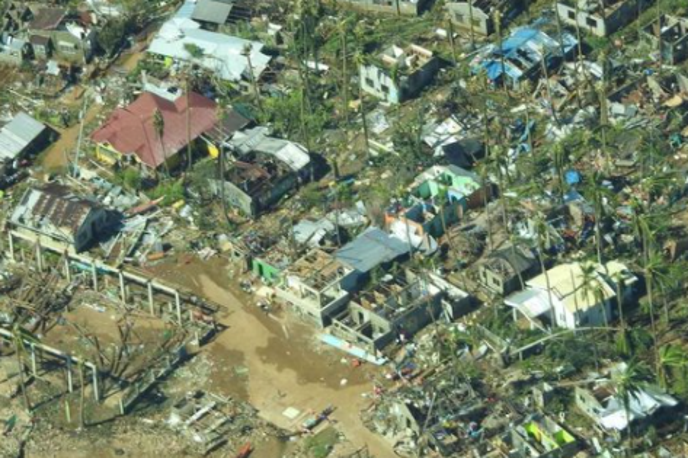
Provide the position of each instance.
(370, 249)
(212, 11)
(18, 134)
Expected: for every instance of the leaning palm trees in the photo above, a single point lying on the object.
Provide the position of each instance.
(19, 335)
(629, 381)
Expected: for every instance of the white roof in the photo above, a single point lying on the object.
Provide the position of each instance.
(531, 302)
(18, 134)
(643, 403)
(221, 53)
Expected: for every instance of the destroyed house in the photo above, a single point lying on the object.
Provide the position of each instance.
(601, 18)
(412, 412)
(541, 437)
(131, 132)
(315, 286)
(601, 402)
(400, 7)
(522, 56)
(230, 58)
(451, 184)
(503, 270)
(481, 13)
(579, 295)
(397, 307)
(669, 35)
(16, 16)
(264, 169)
(71, 34)
(54, 214)
(13, 51)
(398, 74)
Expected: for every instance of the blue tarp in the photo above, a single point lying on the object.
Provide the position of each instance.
(523, 50)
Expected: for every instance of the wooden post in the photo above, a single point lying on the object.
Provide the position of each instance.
(96, 393)
(122, 287)
(11, 242)
(39, 255)
(70, 382)
(68, 272)
(151, 305)
(33, 360)
(178, 304)
(94, 274)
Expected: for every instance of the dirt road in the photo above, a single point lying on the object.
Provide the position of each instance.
(286, 366)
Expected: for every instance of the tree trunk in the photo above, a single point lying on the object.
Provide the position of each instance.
(18, 345)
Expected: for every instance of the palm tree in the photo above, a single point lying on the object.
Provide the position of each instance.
(629, 383)
(246, 52)
(500, 38)
(596, 194)
(619, 279)
(471, 27)
(671, 357)
(592, 288)
(442, 202)
(159, 126)
(19, 334)
(542, 233)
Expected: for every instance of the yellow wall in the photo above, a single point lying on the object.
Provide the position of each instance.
(107, 154)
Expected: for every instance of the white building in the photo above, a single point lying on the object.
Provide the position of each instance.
(182, 39)
(581, 295)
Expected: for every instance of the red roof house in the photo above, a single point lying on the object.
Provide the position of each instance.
(131, 130)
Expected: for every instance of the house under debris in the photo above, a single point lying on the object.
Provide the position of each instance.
(669, 35)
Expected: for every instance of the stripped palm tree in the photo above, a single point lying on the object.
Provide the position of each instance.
(159, 126)
(629, 383)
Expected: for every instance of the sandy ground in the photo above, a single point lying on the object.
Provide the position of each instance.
(286, 366)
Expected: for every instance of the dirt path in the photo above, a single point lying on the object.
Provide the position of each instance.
(286, 367)
(64, 149)
(284, 372)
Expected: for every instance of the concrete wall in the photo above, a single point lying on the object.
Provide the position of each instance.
(235, 197)
(405, 7)
(378, 82)
(320, 314)
(460, 15)
(598, 25)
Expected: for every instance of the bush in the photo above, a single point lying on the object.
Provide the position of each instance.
(172, 192)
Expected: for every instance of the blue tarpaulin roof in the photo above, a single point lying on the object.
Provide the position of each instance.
(522, 51)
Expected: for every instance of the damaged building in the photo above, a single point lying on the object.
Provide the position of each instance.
(53, 213)
(398, 74)
(600, 18)
(523, 55)
(262, 171)
(481, 14)
(507, 269)
(579, 295)
(669, 35)
(399, 7)
(396, 308)
(601, 402)
(316, 286)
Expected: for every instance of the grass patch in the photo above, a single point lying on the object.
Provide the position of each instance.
(321, 445)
